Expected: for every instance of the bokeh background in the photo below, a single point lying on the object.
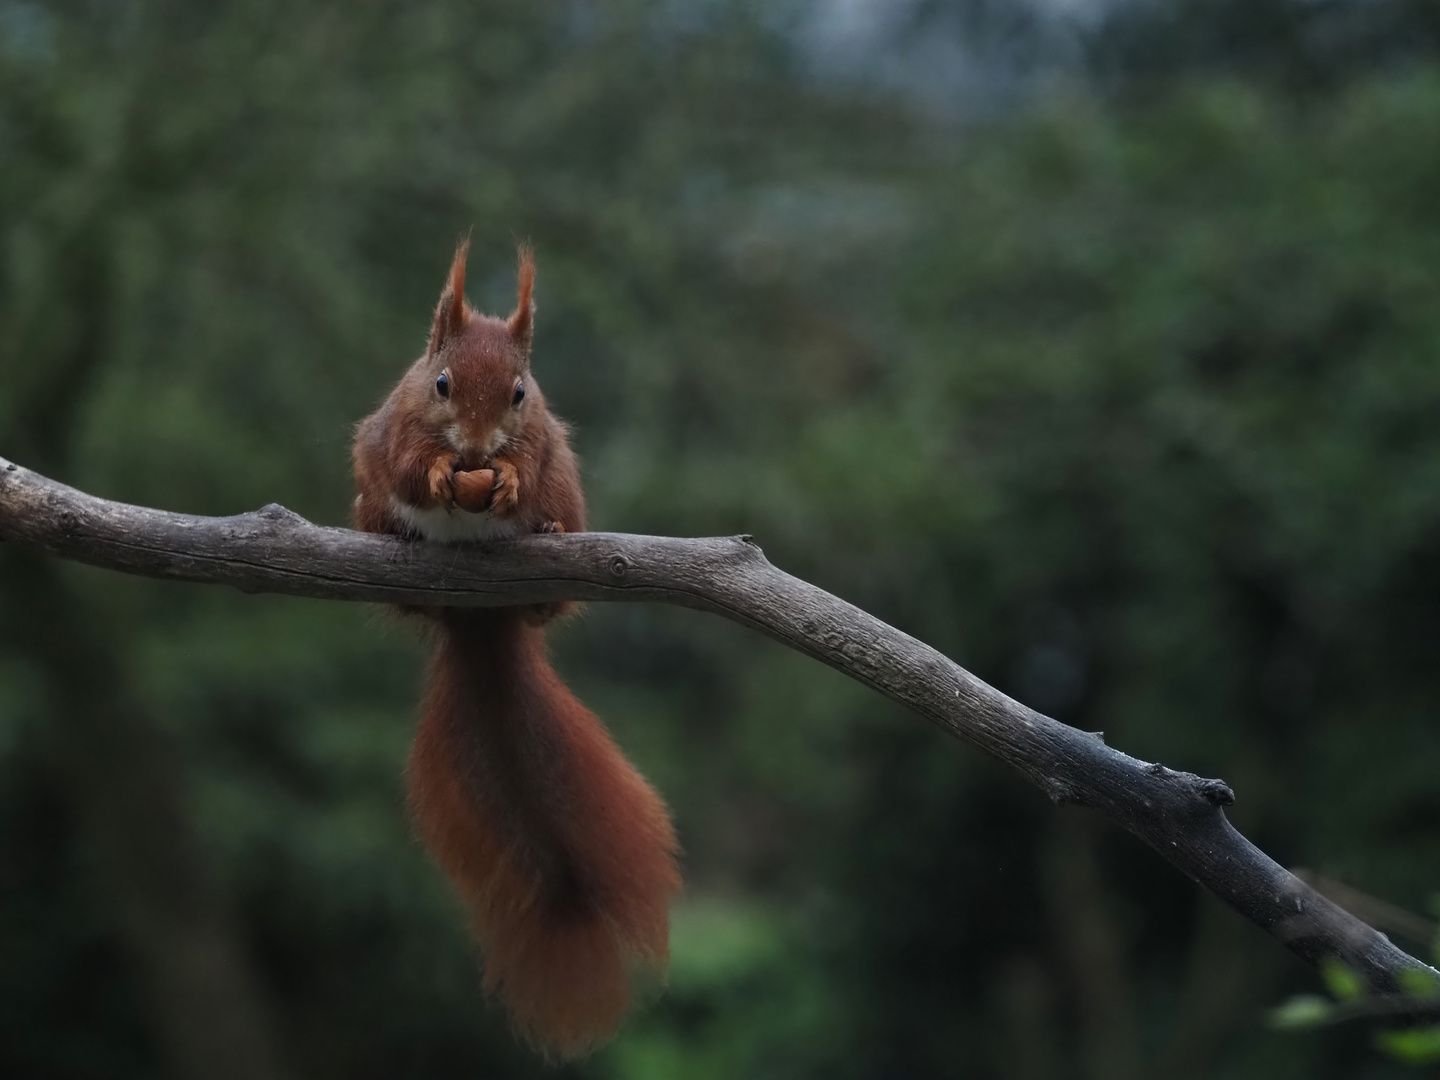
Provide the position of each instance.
(1097, 344)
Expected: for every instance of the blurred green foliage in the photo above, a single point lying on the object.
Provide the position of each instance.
(1130, 405)
(1412, 1040)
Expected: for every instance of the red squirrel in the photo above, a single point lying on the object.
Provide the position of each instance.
(563, 855)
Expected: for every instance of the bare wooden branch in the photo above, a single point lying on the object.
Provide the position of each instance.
(273, 550)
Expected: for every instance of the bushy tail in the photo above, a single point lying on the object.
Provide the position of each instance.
(563, 854)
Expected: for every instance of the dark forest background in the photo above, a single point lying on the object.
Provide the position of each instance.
(1096, 344)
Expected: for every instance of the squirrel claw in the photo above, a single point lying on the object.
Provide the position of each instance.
(505, 495)
(442, 481)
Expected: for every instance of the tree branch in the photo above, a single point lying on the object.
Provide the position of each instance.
(274, 550)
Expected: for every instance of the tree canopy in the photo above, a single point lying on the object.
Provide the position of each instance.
(1121, 391)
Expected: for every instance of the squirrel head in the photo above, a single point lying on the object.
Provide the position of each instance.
(474, 379)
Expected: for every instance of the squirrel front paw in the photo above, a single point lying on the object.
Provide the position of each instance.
(505, 495)
(442, 481)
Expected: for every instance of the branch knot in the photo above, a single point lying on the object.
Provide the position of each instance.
(277, 513)
(1216, 792)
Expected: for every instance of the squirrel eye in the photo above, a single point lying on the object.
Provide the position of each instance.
(519, 395)
(442, 385)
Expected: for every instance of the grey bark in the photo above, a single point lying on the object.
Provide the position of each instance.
(1178, 814)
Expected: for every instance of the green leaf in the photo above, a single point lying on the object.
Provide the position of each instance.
(1341, 981)
(1300, 1012)
(1417, 1046)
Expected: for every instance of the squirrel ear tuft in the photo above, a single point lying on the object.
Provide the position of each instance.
(521, 323)
(451, 313)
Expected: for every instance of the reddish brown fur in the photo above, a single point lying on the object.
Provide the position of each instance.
(563, 855)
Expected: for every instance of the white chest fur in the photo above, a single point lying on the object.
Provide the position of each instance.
(456, 526)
